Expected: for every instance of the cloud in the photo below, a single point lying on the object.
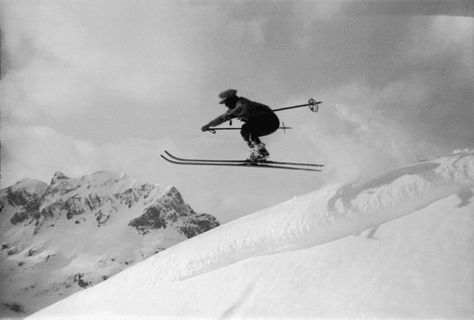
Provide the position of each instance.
(165, 59)
(418, 7)
(37, 152)
(88, 60)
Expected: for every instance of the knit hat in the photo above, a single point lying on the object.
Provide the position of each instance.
(224, 95)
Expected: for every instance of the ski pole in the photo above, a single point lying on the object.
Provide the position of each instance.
(312, 104)
(213, 130)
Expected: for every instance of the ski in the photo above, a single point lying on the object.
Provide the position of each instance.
(236, 163)
(246, 162)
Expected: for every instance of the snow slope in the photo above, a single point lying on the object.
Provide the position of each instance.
(339, 251)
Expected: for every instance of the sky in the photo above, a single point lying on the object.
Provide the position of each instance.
(108, 85)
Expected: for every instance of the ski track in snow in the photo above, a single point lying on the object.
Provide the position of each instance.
(310, 220)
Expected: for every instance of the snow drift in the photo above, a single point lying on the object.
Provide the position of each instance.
(295, 259)
(314, 219)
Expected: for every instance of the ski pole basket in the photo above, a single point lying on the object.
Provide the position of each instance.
(313, 105)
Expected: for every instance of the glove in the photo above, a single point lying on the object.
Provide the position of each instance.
(205, 127)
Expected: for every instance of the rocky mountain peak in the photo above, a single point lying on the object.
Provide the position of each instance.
(58, 176)
(22, 195)
(171, 210)
(107, 219)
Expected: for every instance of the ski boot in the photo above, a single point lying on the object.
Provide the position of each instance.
(258, 153)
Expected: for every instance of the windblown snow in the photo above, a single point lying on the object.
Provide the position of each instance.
(334, 252)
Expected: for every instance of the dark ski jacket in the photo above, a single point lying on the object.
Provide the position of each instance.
(245, 110)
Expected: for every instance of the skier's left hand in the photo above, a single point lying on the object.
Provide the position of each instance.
(205, 128)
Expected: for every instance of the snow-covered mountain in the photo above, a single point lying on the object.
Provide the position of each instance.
(61, 237)
(399, 246)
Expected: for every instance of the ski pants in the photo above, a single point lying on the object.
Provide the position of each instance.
(259, 126)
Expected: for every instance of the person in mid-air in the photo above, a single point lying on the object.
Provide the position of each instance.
(259, 120)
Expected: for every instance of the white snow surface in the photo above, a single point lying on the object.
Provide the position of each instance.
(400, 245)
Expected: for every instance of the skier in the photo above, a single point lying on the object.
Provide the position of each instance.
(259, 120)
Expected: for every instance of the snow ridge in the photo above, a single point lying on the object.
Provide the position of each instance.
(310, 220)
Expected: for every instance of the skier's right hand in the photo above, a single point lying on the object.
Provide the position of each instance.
(205, 128)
